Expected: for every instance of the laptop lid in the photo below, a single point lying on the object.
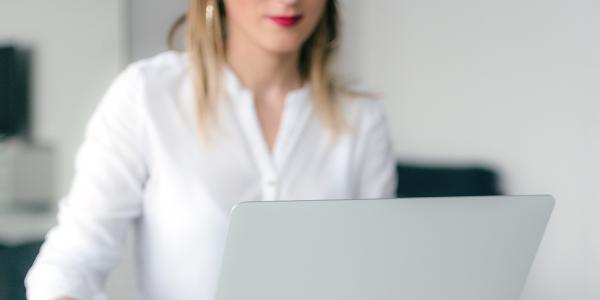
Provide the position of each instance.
(413, 248)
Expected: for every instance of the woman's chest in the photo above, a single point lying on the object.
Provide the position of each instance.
(186, 179)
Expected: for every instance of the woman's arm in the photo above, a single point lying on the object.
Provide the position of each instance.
(377, 172)
(105, 197)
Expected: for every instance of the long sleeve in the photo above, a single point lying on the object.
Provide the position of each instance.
(104, 199)
(377, 173)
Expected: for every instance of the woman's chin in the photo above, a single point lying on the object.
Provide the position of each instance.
(283, 45)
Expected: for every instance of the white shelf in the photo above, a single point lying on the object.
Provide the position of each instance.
(26, 174)
(22, 226)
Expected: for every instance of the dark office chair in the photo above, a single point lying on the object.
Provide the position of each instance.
(436, 181)
(15, 261)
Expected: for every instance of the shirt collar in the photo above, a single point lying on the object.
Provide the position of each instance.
(236, 90)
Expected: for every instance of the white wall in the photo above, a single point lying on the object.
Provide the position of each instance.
(78, 48)
(149, 22)
(515, 84)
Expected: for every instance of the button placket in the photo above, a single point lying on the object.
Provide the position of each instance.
(270, 187)
(293, 120)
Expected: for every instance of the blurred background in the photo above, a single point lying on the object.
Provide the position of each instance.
(489, 96)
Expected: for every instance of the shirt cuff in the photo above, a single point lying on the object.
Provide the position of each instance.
(49, 283)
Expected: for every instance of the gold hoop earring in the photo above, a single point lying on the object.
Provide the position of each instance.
(210, 13)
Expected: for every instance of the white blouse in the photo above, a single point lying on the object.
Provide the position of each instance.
(142, 166)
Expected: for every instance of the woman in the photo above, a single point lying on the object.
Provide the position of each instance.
(248, 112)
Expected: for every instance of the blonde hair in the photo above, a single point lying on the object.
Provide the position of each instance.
(205, 45)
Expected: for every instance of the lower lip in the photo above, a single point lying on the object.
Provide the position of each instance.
(286, 21)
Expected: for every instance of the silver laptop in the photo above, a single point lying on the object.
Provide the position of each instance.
(462, 248)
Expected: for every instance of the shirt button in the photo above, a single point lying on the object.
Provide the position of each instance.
(271, 182)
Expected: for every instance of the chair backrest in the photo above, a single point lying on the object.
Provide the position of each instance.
(437, 181)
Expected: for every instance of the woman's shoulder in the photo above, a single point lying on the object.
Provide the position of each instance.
(160, 67)
(360, 105)
(150, 85)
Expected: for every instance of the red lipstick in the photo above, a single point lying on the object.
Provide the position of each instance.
(286, 21)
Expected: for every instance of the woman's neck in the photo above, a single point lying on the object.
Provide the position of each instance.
(261, 71)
